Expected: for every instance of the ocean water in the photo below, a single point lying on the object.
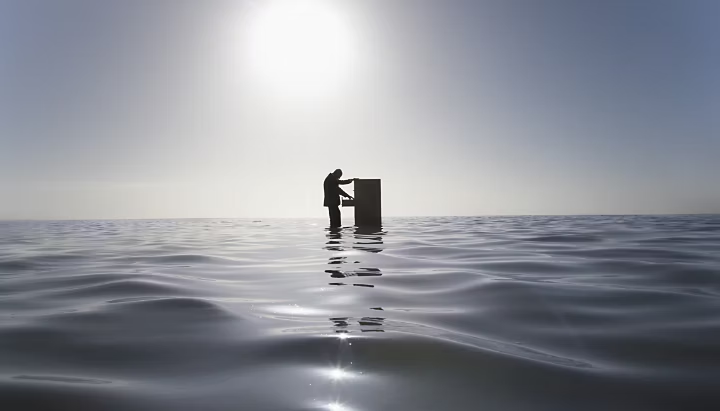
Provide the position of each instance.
(487, 313)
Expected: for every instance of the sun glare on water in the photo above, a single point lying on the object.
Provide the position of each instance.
(300, 46)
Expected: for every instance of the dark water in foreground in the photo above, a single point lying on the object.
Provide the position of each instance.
(522, 313)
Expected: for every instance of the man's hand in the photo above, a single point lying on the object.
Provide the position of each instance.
(349, 197)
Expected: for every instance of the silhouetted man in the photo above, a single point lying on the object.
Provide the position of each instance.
(332, 195)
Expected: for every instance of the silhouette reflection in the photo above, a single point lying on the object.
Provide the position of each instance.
(349, 241)
(346, 325)
(362, 238)
(362, 272)
(369, 239)
(334, 242)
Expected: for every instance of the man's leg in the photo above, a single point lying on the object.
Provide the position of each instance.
(334, 216)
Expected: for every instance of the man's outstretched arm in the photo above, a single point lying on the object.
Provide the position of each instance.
(346, 181)
(343, 193)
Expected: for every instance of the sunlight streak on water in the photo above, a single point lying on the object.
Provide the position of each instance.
(337, 374)
(336, 406)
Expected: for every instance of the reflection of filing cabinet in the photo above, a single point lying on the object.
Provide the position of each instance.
(367, 203)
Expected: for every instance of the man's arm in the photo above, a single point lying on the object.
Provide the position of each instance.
(343, 193)
(346, 181)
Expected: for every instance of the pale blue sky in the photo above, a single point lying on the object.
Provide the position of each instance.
(147, 109)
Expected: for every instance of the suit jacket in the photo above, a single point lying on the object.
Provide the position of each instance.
(331, 185)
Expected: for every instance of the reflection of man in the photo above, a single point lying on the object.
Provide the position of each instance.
(332, 195)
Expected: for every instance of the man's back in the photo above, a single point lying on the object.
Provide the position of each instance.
(331, 188)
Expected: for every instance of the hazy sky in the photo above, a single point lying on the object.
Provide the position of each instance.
(169, 108)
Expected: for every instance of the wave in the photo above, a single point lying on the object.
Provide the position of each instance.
(497, 313)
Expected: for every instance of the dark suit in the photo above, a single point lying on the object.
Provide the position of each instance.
(332, 189)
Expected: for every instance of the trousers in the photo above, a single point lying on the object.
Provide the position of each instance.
(334, 216)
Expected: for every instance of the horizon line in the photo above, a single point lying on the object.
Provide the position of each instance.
(391, 216)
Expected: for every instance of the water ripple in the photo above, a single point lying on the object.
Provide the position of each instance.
(494, 313)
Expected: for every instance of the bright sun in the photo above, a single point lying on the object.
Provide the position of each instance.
(300, 46)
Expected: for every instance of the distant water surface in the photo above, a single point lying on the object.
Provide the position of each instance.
(491, 313)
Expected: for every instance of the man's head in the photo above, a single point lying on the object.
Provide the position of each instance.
(337, 173)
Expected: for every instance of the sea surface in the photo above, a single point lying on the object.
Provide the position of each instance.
(437, 314)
